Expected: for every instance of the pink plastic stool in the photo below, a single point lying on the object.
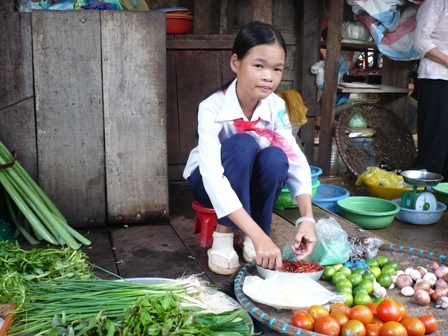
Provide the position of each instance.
(205, 223)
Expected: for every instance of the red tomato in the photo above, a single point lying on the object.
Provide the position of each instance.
(388, 310)
(403, 310)
(361, 313)
(340, 306)
(372, 306)
(430, 323)
(327, 325)
(393, 328)
(372, 330)
(377, 321)
(340, 317)
(303, 320)
(413, 325)
(353, 328)
(317, 310)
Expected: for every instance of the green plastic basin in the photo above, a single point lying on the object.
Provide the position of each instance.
(441, 192)
(368, 212)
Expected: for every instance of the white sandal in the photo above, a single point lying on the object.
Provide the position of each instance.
(232, 262)
(248, 249)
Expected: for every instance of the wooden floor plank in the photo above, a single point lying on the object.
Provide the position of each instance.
(151, 251)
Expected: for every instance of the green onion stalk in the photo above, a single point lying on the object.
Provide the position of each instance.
(106, 307)
(46, 220)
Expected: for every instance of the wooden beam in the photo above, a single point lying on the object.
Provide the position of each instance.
(331, 77)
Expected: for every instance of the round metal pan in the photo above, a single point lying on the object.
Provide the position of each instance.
(421, 178)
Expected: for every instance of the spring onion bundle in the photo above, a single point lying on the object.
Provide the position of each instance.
(46, 221)
(105, 307)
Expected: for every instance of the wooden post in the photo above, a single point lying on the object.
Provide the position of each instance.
(307, 54)
(331, 78)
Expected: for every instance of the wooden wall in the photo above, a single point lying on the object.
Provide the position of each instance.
(93, 132)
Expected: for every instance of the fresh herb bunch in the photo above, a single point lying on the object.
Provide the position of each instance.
(19, 267)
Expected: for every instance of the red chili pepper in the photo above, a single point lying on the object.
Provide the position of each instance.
(294, 266)
(304, 243)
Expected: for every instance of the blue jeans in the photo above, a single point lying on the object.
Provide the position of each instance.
(257, 177)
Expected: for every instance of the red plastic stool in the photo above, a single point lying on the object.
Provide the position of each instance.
(205, 223)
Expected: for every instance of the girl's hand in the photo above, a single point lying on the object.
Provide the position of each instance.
(268, 254)
(305, 240)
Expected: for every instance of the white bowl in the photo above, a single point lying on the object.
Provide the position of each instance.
(266, 273)
(420, 217)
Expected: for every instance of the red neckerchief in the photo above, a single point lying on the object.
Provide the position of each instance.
(274, 138)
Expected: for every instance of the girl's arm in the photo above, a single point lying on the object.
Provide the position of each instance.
(306, 228)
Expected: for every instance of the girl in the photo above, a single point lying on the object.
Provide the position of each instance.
(247, 152)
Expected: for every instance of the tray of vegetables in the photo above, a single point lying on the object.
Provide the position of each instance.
(398, 291)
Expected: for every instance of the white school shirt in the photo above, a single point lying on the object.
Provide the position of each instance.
(432, 31)
(216, 116)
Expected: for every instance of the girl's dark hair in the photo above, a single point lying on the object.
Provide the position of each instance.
(253, 34)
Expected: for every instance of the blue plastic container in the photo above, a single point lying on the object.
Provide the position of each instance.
(315, 173)
(327, 197)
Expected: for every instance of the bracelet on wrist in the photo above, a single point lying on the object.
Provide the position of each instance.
(305, 219)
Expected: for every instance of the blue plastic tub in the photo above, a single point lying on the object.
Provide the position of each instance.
(327, 197)
(315, 173)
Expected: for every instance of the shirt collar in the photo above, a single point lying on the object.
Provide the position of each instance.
(231, 109)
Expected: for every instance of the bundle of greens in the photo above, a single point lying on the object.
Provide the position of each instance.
(46, 221)
(105, 307)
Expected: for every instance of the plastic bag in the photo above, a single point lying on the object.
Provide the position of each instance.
(332, 246)
(364, 247)
(358, 120)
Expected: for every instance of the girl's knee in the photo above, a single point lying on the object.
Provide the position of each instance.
(243, 142)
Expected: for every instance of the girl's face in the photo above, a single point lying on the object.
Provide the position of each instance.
(259, 73)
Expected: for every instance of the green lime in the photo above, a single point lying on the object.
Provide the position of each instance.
(338, 276)
(388, 270)
(337, 267)
(348, 299)
(345, 270)
(358, 290)
(382, 260)
(362, 299)
(355, 279)
(344, 289)
(344, 282)
(372, 262)
(368, 275)
(367, 285)
(385, 280)
(358, 270)
(392, 263)
(378, 300)
(375, 270)
(328, 272)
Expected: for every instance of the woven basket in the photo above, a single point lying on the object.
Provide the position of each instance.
(391, 145)
(279, 320)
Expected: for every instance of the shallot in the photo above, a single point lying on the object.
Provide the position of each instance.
(441, 271)
(404, 280)
(432, 265)
(422, 297)
(440, 282)
(422, 284)
(422, 270)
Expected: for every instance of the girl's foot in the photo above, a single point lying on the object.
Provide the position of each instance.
(222, 258)
(248, 249)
